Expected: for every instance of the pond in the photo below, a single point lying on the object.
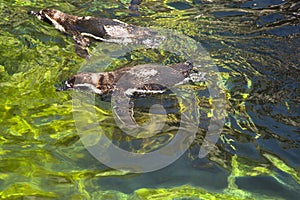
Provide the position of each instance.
(251, 56)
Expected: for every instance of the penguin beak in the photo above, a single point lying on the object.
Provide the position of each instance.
(65, 87)
(40, 15)
(31, 12)
(36, 14)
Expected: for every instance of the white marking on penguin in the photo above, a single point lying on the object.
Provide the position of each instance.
(57, 15)
(144, 74)
(39, 16)
(117, 31)
(120, 40)
(89, 86)
(92, 36)
(56, 24)
(95, 78)
(116, 20)
(67, 84)
(131, 91)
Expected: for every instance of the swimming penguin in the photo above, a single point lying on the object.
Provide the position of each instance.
(142, 79)
(87, 29)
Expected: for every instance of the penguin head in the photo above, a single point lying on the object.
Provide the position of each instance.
(52, 17)
(68, 85)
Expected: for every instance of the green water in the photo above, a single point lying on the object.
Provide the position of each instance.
(254, 44)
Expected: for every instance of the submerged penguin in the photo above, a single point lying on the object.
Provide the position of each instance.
(86, 29)
(142, 79)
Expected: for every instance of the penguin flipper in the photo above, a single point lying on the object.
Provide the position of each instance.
(81, 46)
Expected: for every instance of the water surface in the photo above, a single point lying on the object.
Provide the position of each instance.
(254, 44)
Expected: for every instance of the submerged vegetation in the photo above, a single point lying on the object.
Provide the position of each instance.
(255, 46)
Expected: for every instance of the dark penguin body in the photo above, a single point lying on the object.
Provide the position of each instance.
(86, 29)
(106, 82)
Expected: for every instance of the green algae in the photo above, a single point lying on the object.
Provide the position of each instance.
(180, 192)
(41, 155)
(283, 167)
